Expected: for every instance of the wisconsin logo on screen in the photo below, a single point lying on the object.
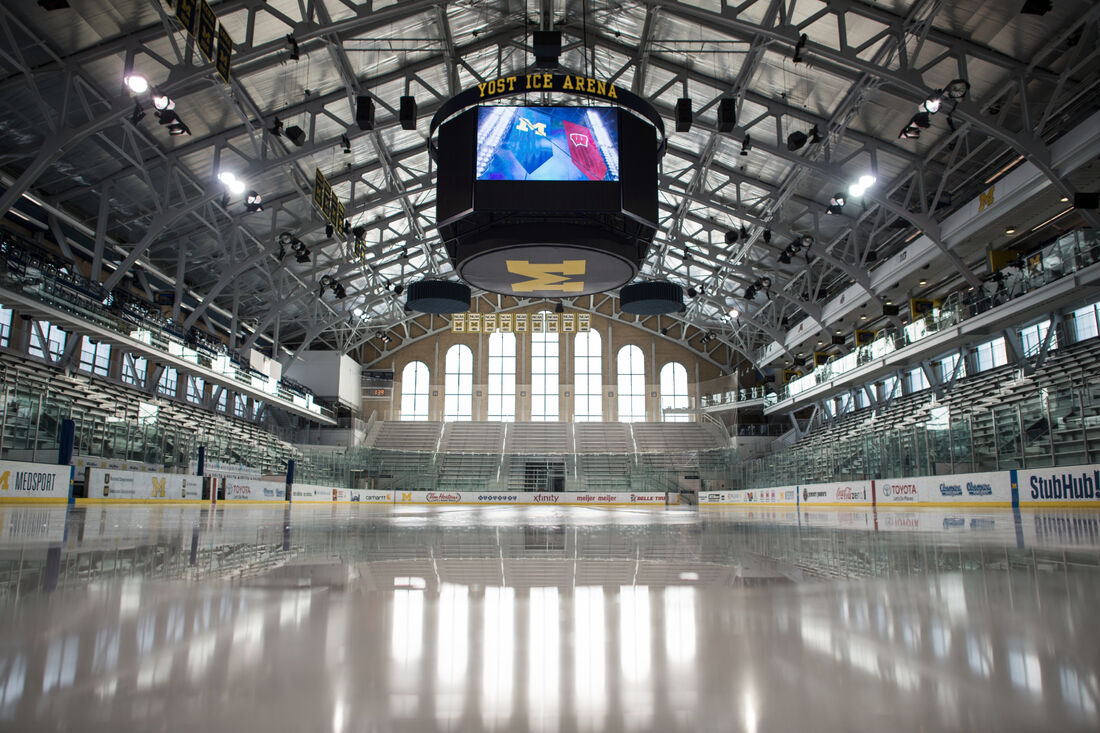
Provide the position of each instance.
(547, 275)
(585, 155)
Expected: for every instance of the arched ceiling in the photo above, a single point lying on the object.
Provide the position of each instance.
(155, 200)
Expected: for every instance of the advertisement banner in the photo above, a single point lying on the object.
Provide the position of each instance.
(1068, 486)
(986, 489)
(117, 464)
(254, 490)
(33, 482)
(108, 485)
(316, 494)
(778, 496)
(565, 498)
(843, 493)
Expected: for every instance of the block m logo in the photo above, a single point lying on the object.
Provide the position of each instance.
(406, 497)
(985, 200)
(158, 486)
(547, 276)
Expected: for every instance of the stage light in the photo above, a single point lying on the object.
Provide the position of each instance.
(233, 184)
(796, 140)
(253, 202)
(807, 241)
(692, 293)
(329, 231)
(1010, 230)
(338, 290)
(750, 292)
(767, 236)
(162, 102)
(836, 204)
(276, 128)
(857, 189)
(744, 232)
(178, 128)
(867, 180)
(398, 289)
(138, 114)
(910, 132)
(731, 236)
(301, 253)
(296, 135)
(957, 89)
(734, 313)
(346, 143)
(797, 58)
(746, 145)
(137, 83)
(932, 104)
(815, 135)
(785, 257)
(293, 55)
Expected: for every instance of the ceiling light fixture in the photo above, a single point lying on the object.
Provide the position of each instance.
(137, 83)
(253, 202)
(957, 89)
(233, 184)
(162, 102)
(1010, 229)
(857, 189)
(836, 204)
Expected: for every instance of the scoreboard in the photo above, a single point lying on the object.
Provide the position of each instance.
(377, 385)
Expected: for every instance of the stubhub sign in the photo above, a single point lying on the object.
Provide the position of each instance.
(1065, 486)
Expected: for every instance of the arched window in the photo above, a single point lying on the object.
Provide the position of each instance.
(674, 391)
(544, 374)
(414, 391)
(631, 366)
(588, 382)
(458, 386)
(502, 376)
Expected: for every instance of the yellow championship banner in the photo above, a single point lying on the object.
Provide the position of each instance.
(518, 322)
(332, 209)
(212, 39)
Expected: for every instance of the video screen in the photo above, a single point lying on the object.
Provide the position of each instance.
(547, 144)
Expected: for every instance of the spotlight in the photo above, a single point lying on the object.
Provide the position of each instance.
(293, 48)
(137, 83)
(338, 290)
(285, 238)
(235, 185)
(276, 128)
(253, 202)
(178, 128)
(767, 236)
(807, 241)
(796, 140)
(162, 102)
(559, 308)
(398, 289)
(1010, 230)
(959, 88)
(744, 232)
(797, 58)
(329, 230)
(836, 204)
(296, 135)
(910, 132)
(734, 313)
(785, 257)
(1036, 7)
(731, 236)
(347, 144)
(815, 135)
(746, 145)
(301, 253)
(932, 104)
(921, 120)
(692, 293)
(750, 292)
(138, 114)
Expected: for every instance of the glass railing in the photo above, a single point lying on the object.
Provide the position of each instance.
(32, 272)
(1052, 426)
(1072, 252)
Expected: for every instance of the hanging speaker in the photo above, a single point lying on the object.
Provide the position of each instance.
(364, 112)
(547, 47)
(407, 113)
(727, 114)
(683, 114)
(890, 310)
(1086, 200)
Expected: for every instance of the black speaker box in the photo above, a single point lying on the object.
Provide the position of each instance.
(890, 310)
(727, 114)
(838, 340)
(407, 113)
(1086, 200)
(683, 114)
(364, 112)
(547, 47)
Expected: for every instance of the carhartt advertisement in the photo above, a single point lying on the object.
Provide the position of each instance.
(29, 482)
(1066, 486)
(315, 494)
(107, 485)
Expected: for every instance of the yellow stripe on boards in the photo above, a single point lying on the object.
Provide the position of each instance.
(33, 500)
(109, 500)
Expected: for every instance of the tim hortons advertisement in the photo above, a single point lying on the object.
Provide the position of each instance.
(1065, 486)
(254, 490)
(967, 488)
(105, 484)
(844, 493)
(28, 482)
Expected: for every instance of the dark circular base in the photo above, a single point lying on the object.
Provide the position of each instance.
(546, 261)
(438, 296)
(651, 298)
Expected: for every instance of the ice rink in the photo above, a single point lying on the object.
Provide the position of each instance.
(357, 618)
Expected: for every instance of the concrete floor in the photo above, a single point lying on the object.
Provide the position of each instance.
(547, 618)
